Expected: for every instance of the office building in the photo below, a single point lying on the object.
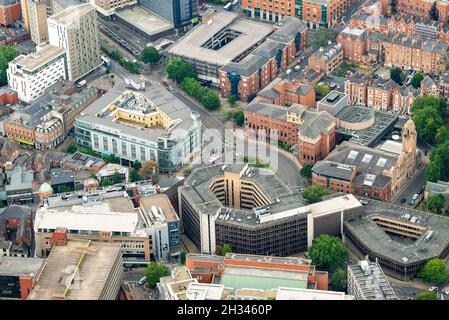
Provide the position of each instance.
(79, 270)
(75, 29)
(31, 75)
(108, 7)
(367, 281)
(35, 13)
(253, 211)
(180, 13)
(138, 121)
(327, 59)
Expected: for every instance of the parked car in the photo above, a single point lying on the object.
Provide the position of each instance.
(415, 196)
(297, 68)
(164, 84)
(433, 289)
(411, 203)
(403, 200)
(142, 281)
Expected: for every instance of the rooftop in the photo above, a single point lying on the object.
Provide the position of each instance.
(92, 262)
(16, 267)
(61, 176)
(159, 201)
(286, 293)
(144, 20)
(71, 15)
(35, 60)
(242, 34)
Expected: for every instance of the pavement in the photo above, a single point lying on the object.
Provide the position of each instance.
(413, 186)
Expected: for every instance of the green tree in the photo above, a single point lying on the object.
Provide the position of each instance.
(397, 75)
(427, 121)
(429, 101)
(187, 172)
(211, 101)
(433, 12)
(137, 165)
(442, 134)
(339, 280)
(314, 193)
(435, 203)
(306, 170)
(426, 295)
(7, 54)
(434, 271)
(151, 55)
(108, 71)
(182, 257)
(105, 183)
(434, 170)
(438, 168)
(134, 175)
(321, 90)
(154, 271)
(72, 148)
(232, 100)
(327, 252)
(239, 118)
(226, 249)
(322, 36)
(116, 178)
(178, 70)
(416, 80)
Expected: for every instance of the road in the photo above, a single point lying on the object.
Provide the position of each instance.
(413, 186)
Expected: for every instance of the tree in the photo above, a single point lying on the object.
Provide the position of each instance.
(239, 118)
(436, 202)
(134, 175)
(306, 170)
(7, 54)
(108, 71)
(321, 90)
(154, 272)
(426, 295)
(397, 75)
(442, 134)
(429, 101)
(438, 168)
(182, 257)
(327, 252)
(211, 101)
(116, 178)
(226, 249)
(232, 100)
(151, 55)
(433, 12)
(322, 36)
(434, 171)
(105, 183)
(416, 80)
(178, 70)
(72, 148)
(187, 172)
(148, 170)
(314, 193)
(434, 271)
(427, 121)
(137, 165)
(339, 280)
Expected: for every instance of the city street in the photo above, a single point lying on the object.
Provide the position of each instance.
(412, 187)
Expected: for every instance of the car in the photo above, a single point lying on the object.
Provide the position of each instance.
(142, 281)
(171, 89)
(403, 200)
(297, 68)
(415, 196)
(433, 289)
(299, 61)
(164, 84)
(411, 203)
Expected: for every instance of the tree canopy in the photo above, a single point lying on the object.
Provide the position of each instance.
(148, 170)
(427, 122)
(322, 36)
(154, 272)
(426, 295)
(435, 203)
(207, 97)
(306, 170)
(434, 271)
(116, 178)
(327, 252)
(321, 90)
(429, 101)
(226, 249)
(182, 257)
(178, 70)
(438, 168)
(398, 75)
(134, 175)
(7, 54)
(151, 55)
(339, 280)
(314, 193)
(416, 80)
(232, 100)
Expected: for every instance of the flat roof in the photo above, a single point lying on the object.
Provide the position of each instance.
(287, 293)
(71, 14)
(144, 20)
(35, 60)
(403, 253)
(250, 33)
(160, 201)
(17, 266)
(95, 263)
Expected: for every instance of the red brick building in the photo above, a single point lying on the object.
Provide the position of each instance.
(10, 11)
(286, 93)
(353, 42)
(327, 59)
(418, 8)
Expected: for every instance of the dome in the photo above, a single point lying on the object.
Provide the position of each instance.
(45, 187)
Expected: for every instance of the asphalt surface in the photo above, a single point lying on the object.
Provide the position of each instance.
(413, 187)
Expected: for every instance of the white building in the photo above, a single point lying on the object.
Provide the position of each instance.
(75, 29)
(31, 75)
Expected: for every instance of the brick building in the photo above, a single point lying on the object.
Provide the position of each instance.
(327, 59)
(286, 93)
(353, 42)
(10, 12)
(419, 8)
(366, 171)
(380, 94)
(403, 98)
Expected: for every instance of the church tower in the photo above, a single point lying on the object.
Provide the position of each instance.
(409, 138)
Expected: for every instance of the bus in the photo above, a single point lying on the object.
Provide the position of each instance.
(107, 62)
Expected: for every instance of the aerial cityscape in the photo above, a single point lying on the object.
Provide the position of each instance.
(224, 150)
